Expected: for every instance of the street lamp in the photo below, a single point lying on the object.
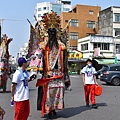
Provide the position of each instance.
(116, 61)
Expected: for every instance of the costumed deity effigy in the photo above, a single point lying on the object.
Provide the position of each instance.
(4, 61)
(52, 53)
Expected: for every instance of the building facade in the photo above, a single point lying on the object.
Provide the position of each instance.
(59, 6)
(109, 24)
(96, 46)
(23, 50)
(83, 22)
(109, 21)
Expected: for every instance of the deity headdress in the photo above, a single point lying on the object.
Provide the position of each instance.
(51, 20)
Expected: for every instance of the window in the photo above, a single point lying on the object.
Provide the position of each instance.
(57, 8)
(39, 15)
(103, 46)
(44, 8)
(73, 36)
(66, 21)
(117, 48)
(114, 68)
(74, 23)
(84, 46)
(117, 17)
(117, 31)
(90, 24)
(66, 9)
(105, 68)
(39, 9)
(91, 12)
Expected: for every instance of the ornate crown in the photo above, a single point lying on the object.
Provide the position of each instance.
(51, 20)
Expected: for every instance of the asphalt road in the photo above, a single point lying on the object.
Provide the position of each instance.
(109, 103)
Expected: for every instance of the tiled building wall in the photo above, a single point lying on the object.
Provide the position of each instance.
(81, 13)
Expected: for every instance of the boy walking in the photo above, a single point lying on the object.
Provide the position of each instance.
(89, 81)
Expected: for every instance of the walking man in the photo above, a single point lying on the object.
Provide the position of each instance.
(20, 91)
(89, 81)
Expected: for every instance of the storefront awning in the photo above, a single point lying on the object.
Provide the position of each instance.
(106, 61)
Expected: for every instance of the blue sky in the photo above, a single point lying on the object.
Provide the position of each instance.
(15, 12)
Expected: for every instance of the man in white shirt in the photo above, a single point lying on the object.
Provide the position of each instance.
(20, 91)
(89, 81)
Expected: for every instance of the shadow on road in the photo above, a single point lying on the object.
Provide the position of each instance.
(101, 104)
(5, 92)
(70, 112)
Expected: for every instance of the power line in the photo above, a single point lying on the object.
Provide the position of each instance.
(15, 20)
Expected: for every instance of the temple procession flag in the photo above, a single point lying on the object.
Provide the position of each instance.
(33, 41)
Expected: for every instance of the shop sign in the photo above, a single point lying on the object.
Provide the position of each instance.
(75, 55)
(100, 39)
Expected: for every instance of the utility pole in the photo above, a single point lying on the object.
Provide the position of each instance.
(1, 21)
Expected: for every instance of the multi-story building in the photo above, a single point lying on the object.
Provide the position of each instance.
(109, 21)
(96, 46)
(83, 22)
(23, 50)
(59, 6)
(109, 24)
(99, 48)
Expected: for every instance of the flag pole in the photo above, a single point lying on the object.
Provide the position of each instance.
(30, 23)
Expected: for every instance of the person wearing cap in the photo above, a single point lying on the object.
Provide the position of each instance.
(20, 91)
(89, 81)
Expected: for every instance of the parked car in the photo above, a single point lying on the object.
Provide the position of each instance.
(111, 74)
(98, 74)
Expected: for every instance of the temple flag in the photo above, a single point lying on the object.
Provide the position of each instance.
(34, 41)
